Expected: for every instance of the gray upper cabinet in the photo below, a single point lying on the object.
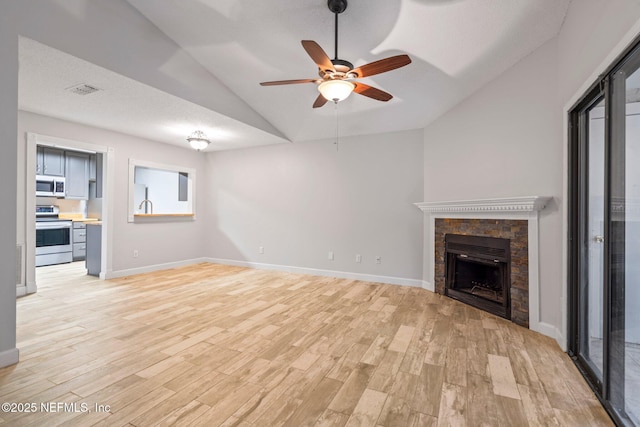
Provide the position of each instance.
(99, 169)
(95, 173)
(50, 161)
(92, 167)
(77, 176)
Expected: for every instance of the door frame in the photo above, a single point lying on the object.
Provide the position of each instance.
(34, 139)
(578, 191)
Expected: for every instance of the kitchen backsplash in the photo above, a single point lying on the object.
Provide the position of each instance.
(65, 205)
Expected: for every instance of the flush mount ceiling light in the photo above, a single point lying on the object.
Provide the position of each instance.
(198, 140)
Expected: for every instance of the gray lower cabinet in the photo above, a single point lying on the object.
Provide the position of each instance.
(94, 246)
(79, 241)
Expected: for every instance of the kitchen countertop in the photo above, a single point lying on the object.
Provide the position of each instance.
(159, 215)
(76, 217)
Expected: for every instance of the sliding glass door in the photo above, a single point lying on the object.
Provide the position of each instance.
(604, 250)
(590, 304)
(626, 233)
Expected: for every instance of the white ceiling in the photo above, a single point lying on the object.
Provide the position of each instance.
(456, 47)
(122, 104)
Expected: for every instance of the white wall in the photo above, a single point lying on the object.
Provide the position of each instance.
(8, 119)
(508, 138)
(157, 242)
(300, 201)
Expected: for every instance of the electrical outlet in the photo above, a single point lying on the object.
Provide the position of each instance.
(135, 253)
(330, 256)
(378, 259)
(358, 258)
(261, 249)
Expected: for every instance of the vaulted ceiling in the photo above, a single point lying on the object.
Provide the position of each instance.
(456, 47)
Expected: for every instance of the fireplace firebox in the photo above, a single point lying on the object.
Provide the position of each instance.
(477, 272)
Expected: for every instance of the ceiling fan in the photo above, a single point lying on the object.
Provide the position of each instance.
(337, 76)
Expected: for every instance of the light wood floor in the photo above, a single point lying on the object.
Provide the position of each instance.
(217, 345)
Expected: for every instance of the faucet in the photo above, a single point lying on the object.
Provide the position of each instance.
(146, 201)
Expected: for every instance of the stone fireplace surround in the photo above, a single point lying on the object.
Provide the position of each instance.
(483, 210)
(513, 229)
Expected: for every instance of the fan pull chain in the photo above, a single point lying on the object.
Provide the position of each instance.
(335, 109)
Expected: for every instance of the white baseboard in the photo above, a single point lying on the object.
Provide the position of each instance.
(23, 290)
(552, 332)
(262, 266)
(428, 286)
(151, 268)
(319, 272)
(9, 357)
(561, 339)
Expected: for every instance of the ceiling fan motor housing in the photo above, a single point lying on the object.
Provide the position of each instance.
(337, 6)
(342, 65)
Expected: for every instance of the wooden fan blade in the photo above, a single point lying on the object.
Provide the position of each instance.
(288, 82)
(372, 92)
(320, 101)
(318, 55)
(382, 65)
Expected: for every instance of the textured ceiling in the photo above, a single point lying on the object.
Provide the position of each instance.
(121, 104)
(456, 47)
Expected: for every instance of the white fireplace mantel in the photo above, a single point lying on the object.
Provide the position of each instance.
(523, 208)
(511, 204)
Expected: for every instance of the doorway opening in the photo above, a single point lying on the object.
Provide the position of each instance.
(83, 168)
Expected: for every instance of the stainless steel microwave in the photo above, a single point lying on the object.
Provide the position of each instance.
(50, 186)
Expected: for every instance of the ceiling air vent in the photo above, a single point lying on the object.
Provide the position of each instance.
(82, 89)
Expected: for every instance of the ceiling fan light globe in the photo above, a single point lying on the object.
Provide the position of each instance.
(336, 90)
